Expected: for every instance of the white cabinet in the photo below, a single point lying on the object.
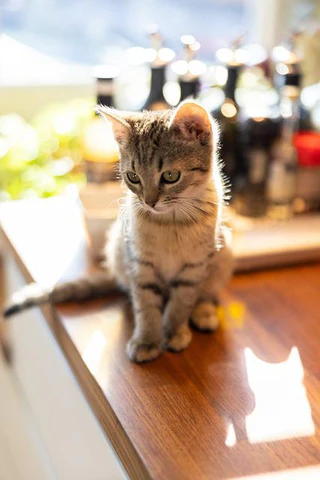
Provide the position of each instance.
(58, 435)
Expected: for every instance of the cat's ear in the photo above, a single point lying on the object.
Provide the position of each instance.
(192, 122)
(121, 129)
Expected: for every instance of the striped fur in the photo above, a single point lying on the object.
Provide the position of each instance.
(31, 295)
(169, 248)
(173, 257)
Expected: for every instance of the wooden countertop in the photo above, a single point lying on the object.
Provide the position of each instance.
(241, 402)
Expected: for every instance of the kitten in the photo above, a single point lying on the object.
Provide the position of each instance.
(168, 248)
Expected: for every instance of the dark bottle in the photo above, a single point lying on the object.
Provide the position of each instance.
(156, 99)
(258, 131)
(189, 79)
(288, 73)
(231, 83)
(228, 117)
(292, 78)
(189, 88)
(258, 135)
(283, 171)
(99, 149)
(105, 85)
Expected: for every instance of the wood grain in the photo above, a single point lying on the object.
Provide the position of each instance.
(235, 403)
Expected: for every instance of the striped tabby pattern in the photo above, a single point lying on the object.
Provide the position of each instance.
(169, 248)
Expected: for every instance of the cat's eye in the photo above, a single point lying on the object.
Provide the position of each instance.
(170, 176)
(133, 177)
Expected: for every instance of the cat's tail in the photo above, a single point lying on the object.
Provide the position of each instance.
(97, 285)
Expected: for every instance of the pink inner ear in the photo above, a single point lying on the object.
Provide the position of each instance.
(193, 122)
(120, 130)
(120, 127)
(194, 127)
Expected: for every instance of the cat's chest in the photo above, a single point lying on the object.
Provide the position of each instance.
(170, 249)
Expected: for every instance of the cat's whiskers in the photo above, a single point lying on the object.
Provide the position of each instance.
(118, 200)
(209, 202)
(190, 212)
(121, 200)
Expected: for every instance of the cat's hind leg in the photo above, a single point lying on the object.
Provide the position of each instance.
(205, 316)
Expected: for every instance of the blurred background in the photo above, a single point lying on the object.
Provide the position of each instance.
(254, 65)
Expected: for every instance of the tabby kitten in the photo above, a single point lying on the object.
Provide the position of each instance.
(168, 248)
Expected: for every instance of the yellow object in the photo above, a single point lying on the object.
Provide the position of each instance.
(98, 144)
(232, 316)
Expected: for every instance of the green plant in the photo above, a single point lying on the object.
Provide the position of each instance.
(41, 158)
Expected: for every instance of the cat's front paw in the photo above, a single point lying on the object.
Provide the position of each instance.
(180, 340)
(140, 351)
(204, 317)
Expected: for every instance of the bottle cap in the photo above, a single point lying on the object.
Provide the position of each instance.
(105, 85)
(105, 72)
(189, 69)
(160, 55)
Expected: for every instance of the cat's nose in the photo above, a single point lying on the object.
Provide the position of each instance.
(151, 199)
(151, 204)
